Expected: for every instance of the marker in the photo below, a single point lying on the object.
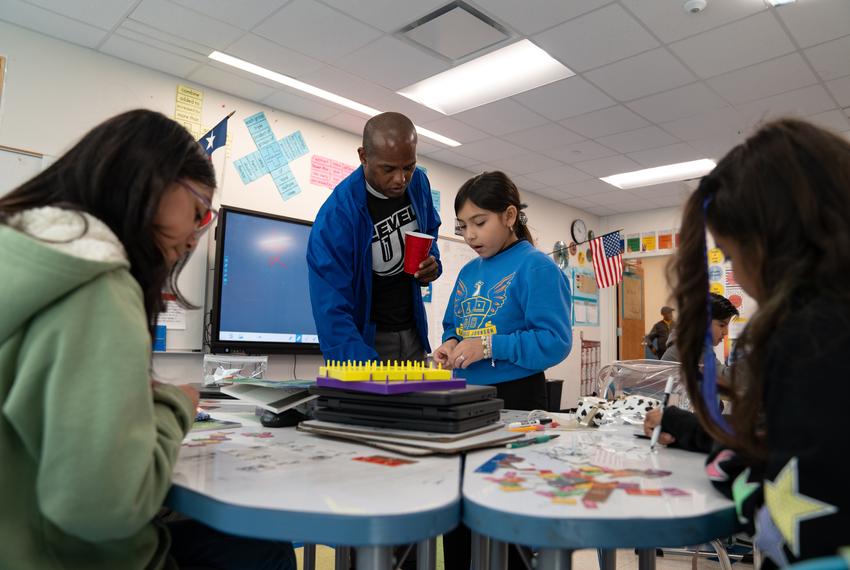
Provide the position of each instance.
(527, 423)
(657, 431)
(532, 441)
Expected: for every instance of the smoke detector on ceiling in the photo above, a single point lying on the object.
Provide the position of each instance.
(694, 6)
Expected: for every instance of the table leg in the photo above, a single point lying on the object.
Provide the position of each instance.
(480, 550)
(498, 555)
(646, 559)
(607, 559)
(309, 557)
(554, 559)
(374, 558)
(341, 558)
(722, 555)
(426, 554)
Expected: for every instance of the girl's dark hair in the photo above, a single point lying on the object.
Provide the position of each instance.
(495, 192)
(722, 308)
(118, 172)
(783, 198)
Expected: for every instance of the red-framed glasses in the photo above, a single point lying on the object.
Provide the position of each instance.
(209, 216)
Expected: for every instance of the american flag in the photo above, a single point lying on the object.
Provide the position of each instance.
(607, 259)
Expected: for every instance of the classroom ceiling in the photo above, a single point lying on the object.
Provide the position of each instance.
(653, 85)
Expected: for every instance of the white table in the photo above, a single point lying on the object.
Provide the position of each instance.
(303, 488)
(526, 516)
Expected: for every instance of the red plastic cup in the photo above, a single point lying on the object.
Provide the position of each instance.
(416, 248)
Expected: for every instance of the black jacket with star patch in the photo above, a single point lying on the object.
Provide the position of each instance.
(804, 484)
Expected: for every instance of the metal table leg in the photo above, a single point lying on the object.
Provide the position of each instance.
(498, 555)
(480, 548)
(341, 558)
(555, 559)
(374, 558)
(607, 559)
(646, 559)
(309, 557)
(426, 554)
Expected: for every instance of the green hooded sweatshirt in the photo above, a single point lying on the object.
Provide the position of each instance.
(87, 445)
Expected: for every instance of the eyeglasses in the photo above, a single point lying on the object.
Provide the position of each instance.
(209, 216)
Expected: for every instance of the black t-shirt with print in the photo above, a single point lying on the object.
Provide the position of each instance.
(392, 294)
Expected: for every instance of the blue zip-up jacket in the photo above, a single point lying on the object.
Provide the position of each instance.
(339, 258)
(521, 298)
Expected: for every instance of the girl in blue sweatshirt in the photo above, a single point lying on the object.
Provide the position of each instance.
(508, 319)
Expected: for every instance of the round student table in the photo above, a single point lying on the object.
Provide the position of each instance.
(541, 496)
(285, 485)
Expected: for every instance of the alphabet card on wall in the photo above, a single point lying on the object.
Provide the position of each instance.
(272, 156)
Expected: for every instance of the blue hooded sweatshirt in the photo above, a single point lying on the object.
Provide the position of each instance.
(339, 258)
(521, 298)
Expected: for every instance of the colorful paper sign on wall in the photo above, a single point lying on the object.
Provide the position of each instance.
(327, 172)
(648, 241)
(435, 198)
(272, 156)
(633, 243)
(715, 256)
(665, 239)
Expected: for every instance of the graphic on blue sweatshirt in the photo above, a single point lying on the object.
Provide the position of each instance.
(475, 310)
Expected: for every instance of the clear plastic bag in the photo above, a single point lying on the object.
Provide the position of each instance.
(642, 378)
(224, 368)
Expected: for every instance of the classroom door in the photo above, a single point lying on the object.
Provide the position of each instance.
(630, 313)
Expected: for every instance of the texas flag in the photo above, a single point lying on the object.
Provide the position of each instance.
(216, 138)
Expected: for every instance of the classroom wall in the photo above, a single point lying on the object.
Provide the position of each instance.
(55, 91)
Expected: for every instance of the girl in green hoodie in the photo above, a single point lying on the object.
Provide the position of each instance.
(88, 441)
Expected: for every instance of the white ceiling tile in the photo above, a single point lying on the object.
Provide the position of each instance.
(543, 14)
(677, 103)
(717, 146)
(580, 202)
(588, 188)
(800, 102)
(454, 129)
(680, 152)
(840, 88)
(670, 22)
(832, 59)
(456, 34)
(733, 46)
(425, 147)
(559, 176)
(565, 98)
(245, 14)
(577, 152)
(764, 79)
(544, 137)
(146, 34)
(347, 122)
(489, 149)
(316, 30)
(644, 74)
(500, 117)
(640, 139)
(104, 14)
(815, 22)
(608, 166)
(596, 39)
(270, 55)
(148, 56)
(524, 183)
(835, 120)
(186, 23)
(605, 210)
(605, 122)
(527, 163)
(392, 63)
(717, 122)
(358, 89)
(50, 23)
(303, 106)
(449, 156)
(230, 83)
(388, 15)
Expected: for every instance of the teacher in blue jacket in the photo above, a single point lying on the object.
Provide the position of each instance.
(365, 306)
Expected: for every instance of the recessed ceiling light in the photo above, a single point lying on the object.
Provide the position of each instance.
(660, 174)
(317, 92)
(499, 74)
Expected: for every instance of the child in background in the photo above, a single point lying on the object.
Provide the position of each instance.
(778, 206)
(509, 317)
(88, 440)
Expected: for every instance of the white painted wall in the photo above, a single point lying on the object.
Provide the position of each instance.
(56, 91)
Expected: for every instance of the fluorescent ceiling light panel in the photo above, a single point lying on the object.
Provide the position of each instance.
(499, 74)
(316, 92)
(661, 174)
(780, 2)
